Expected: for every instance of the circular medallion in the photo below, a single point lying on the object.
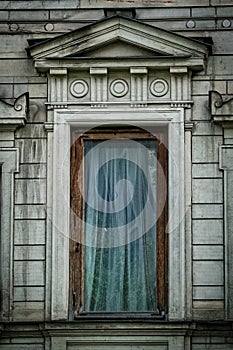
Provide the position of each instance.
(79, 88)
(119, 88)
(190, 24)
(49, 27)
(159, 87)
(226, 23)
(13, 27)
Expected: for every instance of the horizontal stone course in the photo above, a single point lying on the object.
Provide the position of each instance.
(29, 294)
(209, 231)
(207, 191)
(36, 4)
(25, 15)
(29, 273)
(29, 231)
(29, 252)
(30, 211)
(208, 273)
(31, 171)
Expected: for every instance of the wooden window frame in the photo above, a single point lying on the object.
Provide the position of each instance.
(76, 271)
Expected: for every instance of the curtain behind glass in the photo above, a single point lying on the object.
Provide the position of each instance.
(120, 181)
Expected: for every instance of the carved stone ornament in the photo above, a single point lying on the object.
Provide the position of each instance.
(14, 116)
(159, 87)
(119, 88)
(221, 108)
(79, 88)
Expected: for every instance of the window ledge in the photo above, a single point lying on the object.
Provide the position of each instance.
(126, 317)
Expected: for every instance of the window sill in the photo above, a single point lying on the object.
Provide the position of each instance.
(121, 316)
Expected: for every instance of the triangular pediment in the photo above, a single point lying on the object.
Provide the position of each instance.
(117, 48)
(118, 37)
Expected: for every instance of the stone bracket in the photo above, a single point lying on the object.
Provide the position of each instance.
(221, 109)
(14, 116)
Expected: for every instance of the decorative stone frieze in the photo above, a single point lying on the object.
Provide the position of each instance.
(159, 87)
(57, 88)
(139, 83)
(79, 88)
(119, 88)
(180, 84)
(99, 84)
(49, 126)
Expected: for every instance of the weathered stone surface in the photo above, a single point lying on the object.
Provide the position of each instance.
(208, 292)
(7, 144)
(29, 231)
(158, 13)
(228, 134)
(25, 15)
(26, 211)
(140, 3)
(206, 170)
(203, 87)
(223, 65)
(29, 253)
(220, 2)
(203, 12)
(207, 191)
(37, 112)
(14, 68)
(74, 15)
(31, 131)
(22, 346)
(206, 149)
(37, 4)
(29, 294)
(29, 273)
(207, 129)
(200, 109)
(230, 87)
(208, 304)
(213, 346)
(207, 273)
(207, 252)
(207, 231)
(32, 150)
(31, 171)
(6, 90)
(29, 311)
(223, 42)
(31, 191)
(207, 211)
(35, 90)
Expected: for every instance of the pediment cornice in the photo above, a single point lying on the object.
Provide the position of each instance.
(119, 60)
(150, 41)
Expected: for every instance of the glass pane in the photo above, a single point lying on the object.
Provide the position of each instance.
(120, 231)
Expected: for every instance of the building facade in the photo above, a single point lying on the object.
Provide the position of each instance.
(152, 83)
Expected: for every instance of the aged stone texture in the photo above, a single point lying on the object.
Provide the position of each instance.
(197, 89)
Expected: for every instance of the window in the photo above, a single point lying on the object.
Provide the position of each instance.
(118, 245)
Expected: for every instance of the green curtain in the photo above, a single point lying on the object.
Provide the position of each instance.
(120, 211)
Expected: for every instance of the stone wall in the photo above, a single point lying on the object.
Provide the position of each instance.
(25, 21)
